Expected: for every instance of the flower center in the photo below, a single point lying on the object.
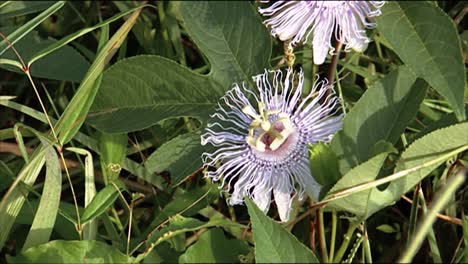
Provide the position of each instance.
(269, 129)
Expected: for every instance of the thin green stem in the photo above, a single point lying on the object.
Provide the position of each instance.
(321, 231)
(366, 246)
(333, 234)
(345, 243)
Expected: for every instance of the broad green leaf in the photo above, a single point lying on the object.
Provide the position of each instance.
(60, 251)
(100, 203)
(324, 164)
(138, 92)
(44, 220)
(426, 39)
(364, 203)
(273, 243)
(429, 147)
(415, 163)
(179, 156)
(67, 126)
(27, 27)
(214, 247)
(20, 8)
(382, 113)
(231, 35)
(65, 64)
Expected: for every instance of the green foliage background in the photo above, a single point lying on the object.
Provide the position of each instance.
(102, 105)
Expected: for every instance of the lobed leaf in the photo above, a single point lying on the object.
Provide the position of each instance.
(231, 35)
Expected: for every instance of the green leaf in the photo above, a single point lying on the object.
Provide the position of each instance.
(20, 8)
(138, 92)
(364, 203)
(429, 147)
(90, 229)
(179, 156)
(66, 64)
(231, 35)
(415, 163)
(179, 224)
(27, 27)
(113, 151)
(100, 203)
(214, 247)
(186, 204)
(324, 164)
(382, 113)
(44, 220)
(60, 251)
(273, 244)
(426, 39)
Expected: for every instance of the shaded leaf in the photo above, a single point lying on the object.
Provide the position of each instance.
(231, 35)
(19, 8)
(214, 247)
(179, 156)
(66, 64)
(382, 113)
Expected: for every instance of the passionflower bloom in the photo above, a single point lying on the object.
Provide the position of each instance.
(261, 139)
(347, 20)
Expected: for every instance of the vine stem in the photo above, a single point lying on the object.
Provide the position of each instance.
(334, 62)
(333, 234)
(321, 231)
(345, 243)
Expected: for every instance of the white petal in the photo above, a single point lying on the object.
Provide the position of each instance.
(262, 199)
(283, 201)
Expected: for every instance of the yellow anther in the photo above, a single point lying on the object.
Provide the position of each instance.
(265, 125)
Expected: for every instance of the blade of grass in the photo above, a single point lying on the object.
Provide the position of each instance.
(89, 229)
(441, 200)
(59, 44)
(430, 235)
(46, 213)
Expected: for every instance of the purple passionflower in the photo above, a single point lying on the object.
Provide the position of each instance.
(262, 139)
(295, 20)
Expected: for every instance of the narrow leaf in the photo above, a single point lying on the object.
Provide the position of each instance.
(46, 214)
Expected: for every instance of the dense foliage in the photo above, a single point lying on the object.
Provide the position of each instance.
(103, 104)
